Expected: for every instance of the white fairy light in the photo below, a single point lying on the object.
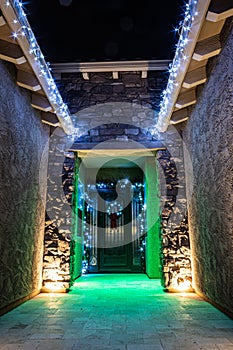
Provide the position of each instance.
(54, 96)
(180, 57)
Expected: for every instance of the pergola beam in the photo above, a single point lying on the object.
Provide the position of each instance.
(195, 77)
(220, 10)
(2, 21)
(6, 34)
(113, 66)
(27, 81)
(50, 119)
(29, 50)
(41, 103)
(186, 99)
(207, 48)
(11, 52)
(210, 29)
(115, 75)
(165, 113)
(179, 116)
(144, 74)
(85, 75)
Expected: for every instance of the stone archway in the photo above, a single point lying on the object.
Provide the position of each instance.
(59, 246)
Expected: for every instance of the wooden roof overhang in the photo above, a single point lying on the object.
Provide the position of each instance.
(203, 42)
(33, 73)
(18, 45)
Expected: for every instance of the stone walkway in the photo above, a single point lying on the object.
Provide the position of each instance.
(116, 312)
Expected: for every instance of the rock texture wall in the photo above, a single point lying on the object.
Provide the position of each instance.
(58, 244)
(175, 244)
(104, 100)
(123, 109)
(208, 136)
(23, 164)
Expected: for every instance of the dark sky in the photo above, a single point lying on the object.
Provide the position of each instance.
(100, 30)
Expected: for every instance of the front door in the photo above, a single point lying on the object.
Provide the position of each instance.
(115, 238)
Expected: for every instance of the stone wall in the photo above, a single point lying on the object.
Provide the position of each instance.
(126, 110)
(175, 244)
(58, 243)
(101, 88)
(208, 137)
(23, 164)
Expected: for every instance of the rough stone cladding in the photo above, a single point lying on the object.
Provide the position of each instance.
(122, 109)
(208, 138)
(23, 157)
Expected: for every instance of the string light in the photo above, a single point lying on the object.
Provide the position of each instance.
(23, 29)
(113, 207)
(180, 56)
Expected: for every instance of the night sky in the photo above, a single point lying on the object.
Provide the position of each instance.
(100, 30)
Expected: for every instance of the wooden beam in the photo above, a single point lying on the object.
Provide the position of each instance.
(11, 13)
(207, 48)
(85, 75)
(186, 98)
(41, 103)
(219, 9)
(195, 77)
(49, 118)
(210, 29)
(112, 66)
(6, 34)
(27, 81)
(25, 67)
(115, 145)
(144, 74)
(2, 21)
(11, 52)
(166, 111)
(196, 64)
(115, 75)
(179, 116)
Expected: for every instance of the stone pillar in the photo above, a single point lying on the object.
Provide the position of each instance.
(153, 219)
(58, 224)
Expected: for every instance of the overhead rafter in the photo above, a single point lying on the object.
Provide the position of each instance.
(186, 98)
(179, 116)
(219, 10)
(183, 54)
(207, 48)
(50, 119)
(27, 81)
(202, 43)
(114, 67)
(2, 20)
(11, 52)
(195, 77)
(19, 46)
(41, 103)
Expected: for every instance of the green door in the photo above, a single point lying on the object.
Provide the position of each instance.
(115, 239)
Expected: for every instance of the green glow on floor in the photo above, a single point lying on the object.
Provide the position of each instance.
(116, 312)
(117, 284)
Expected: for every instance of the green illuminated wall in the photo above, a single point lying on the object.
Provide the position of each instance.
(76, 243)
(153, 220)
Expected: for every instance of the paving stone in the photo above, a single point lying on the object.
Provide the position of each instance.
(117, 312)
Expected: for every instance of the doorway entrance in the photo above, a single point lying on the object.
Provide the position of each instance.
(119, 241)
(113, 218)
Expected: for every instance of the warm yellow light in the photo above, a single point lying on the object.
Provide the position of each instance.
(183, 285)
(53, 286)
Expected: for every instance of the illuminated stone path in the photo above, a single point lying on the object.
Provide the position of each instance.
(116, 312)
